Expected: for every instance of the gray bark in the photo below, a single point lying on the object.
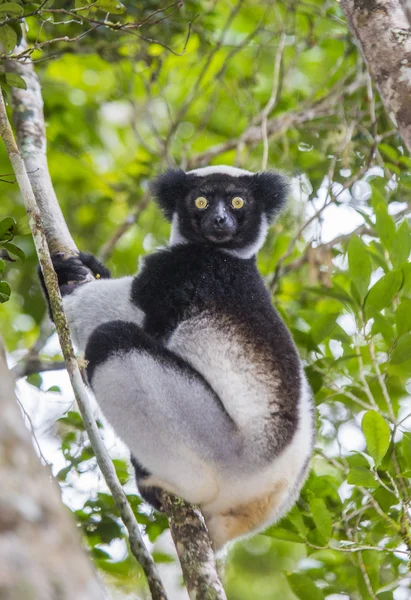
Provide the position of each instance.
(41, 557)
(383, 33)
(406, 4)
(31, 137)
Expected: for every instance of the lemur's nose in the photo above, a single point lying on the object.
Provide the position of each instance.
(220, 220)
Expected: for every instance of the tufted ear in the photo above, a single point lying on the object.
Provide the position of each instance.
(271, 189)
(167, 188)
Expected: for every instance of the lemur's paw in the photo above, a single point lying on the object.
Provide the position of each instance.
(69, 270)
(96, 267)
(74, 270)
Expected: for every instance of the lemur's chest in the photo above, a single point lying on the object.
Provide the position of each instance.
(174, 288)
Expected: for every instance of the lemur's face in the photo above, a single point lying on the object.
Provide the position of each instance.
(220, 206)
(219, 210)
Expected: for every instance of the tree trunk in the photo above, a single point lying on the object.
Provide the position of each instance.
(41, 557)
(383, 32)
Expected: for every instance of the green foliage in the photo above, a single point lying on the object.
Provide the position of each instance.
(377, 435)
(123, 105)
(8, 229)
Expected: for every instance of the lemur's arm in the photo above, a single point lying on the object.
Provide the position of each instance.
(90, 304)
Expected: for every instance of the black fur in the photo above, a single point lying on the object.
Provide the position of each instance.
(71, 271)
(198, 278)
(167, 188)
(263, 193)
(151, 494)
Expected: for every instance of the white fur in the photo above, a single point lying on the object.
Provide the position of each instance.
(252, 249)
(172, 423)
(230, 371)
(220, 169)
(169, 420)
(97, 302)
(175, 235)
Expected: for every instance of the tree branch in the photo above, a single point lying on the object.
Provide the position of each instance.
(384, 35)
(31, 138)
(30, 123)
(29, 366)
(253, 135)
(80, 392)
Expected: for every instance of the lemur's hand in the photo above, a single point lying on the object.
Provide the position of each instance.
(72, 271)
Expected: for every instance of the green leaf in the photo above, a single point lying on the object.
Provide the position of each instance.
(73, 419)
(99, 553)
(280, 533)
(402, 350)
(54, 388)
(384, 223)
(324, 326)
(401, 246)
(361, 476)
(383, 292)
(321, 517)
(11, 9)
(22, 227)
(8, 37)
(121, 468)
(304, 587)
(377, 434)
(403, 317)
(7, 228)
(15, 250)
(406, 448)
(383, 326)
(359, 264)
(15, 80)
(62, 474)
(35, 379)
(1, 266)
(111, 6)
(295, 517)
(5, 291)
(389, 151)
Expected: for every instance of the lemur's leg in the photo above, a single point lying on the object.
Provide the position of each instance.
(166, 413)
(90, 304)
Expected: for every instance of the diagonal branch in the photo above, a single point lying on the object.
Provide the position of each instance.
(80, 392)
(196, 558)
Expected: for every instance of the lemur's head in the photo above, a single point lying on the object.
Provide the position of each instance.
(220, 206)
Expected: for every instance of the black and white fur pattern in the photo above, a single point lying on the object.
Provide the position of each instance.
(191, 364)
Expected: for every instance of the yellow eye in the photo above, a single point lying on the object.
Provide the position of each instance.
(201, 203)
(237, 202)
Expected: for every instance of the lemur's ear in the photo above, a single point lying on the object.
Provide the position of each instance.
(271, 189)
(167, 188)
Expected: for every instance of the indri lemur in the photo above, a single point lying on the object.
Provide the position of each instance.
(189, 361)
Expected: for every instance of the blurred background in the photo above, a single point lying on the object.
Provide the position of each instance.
(256, 84)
